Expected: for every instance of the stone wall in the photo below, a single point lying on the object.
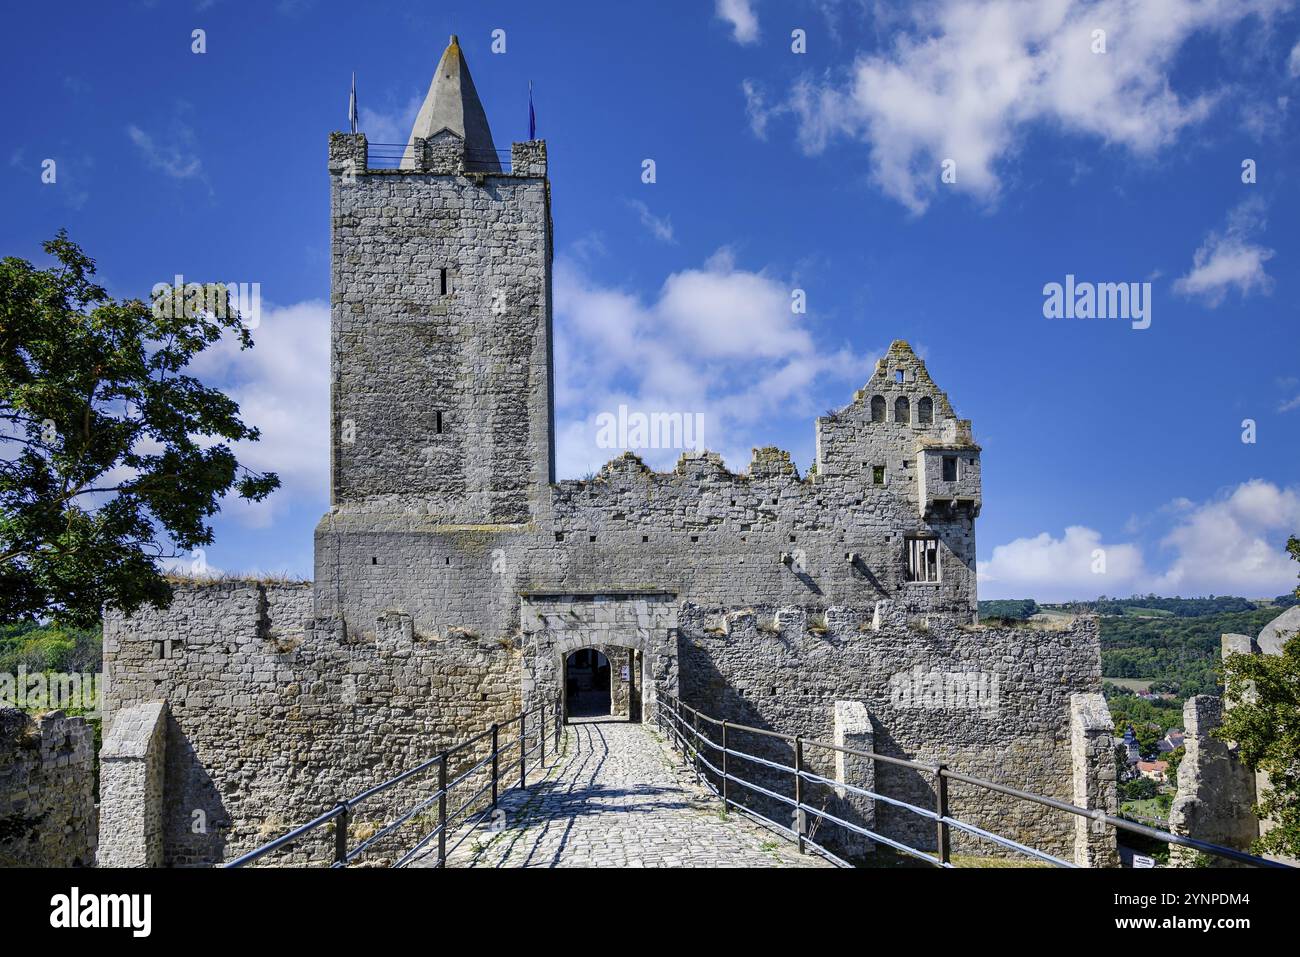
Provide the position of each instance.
(1216, 792)
(274, 716)
(994, 703)
(47, 797)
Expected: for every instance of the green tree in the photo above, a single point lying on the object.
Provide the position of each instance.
(1264, 721)
(111, 456)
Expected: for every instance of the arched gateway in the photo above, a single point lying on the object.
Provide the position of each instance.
(642, 625)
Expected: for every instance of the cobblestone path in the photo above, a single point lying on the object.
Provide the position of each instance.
(616, 797)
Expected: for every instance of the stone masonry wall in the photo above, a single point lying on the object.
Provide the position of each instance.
(47, 798)
(271, 722)
(710, 535)
(1004, 714)
(440, 323)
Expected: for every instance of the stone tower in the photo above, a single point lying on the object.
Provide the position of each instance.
(441, 318)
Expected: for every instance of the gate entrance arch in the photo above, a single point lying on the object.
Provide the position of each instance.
(633, 629)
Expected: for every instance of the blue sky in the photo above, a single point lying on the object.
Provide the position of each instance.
(775, 171)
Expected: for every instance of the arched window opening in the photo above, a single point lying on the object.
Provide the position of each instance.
(925, 411)
(902, 409)
(878, 408)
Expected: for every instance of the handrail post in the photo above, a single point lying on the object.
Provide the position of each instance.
(541, 738)
(942, 840)
(696, 745)
(523, 751)
(724, 767)
(798, 791)
(341, 835)
(442, 809)
(495, 766)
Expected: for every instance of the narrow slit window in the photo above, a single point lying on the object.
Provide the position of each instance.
(442, 281)
(437, 423)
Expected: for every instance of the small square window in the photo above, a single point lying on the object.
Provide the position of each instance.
(899, 375)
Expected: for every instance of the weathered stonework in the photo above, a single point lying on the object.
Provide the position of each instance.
(1092, 750)
(132, 778)
(1216, 792)
(47, 799)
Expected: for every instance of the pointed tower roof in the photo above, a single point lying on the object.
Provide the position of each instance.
(453, 106)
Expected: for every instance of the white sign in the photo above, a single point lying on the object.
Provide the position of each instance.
(625, 673)
(1140, 861)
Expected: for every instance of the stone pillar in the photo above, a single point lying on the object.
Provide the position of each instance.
(853, 730)
(131, 787)
(1216, 792)
(1092, 754)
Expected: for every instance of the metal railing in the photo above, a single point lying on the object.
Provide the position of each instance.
(681, 723)
(390, 156)
(342, 813)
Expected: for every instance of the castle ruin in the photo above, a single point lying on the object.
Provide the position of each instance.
(455, 576)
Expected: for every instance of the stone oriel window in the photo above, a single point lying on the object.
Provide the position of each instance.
(925, 411)
(922, 559)
(902, 409)
(877, 408)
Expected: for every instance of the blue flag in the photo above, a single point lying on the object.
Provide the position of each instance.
(532, 116)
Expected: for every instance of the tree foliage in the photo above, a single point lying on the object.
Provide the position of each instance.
(111, 455)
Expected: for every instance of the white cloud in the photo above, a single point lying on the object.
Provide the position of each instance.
(716, 340)
(660, 227)
(1230, 259)
(1077, 565)
(740, 14)
(964, 80)
(282, 388)
(1293, 62)
(388, 126)
(1230, 545)
(174, 157)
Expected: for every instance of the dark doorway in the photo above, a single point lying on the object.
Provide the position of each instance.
(586, 685)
